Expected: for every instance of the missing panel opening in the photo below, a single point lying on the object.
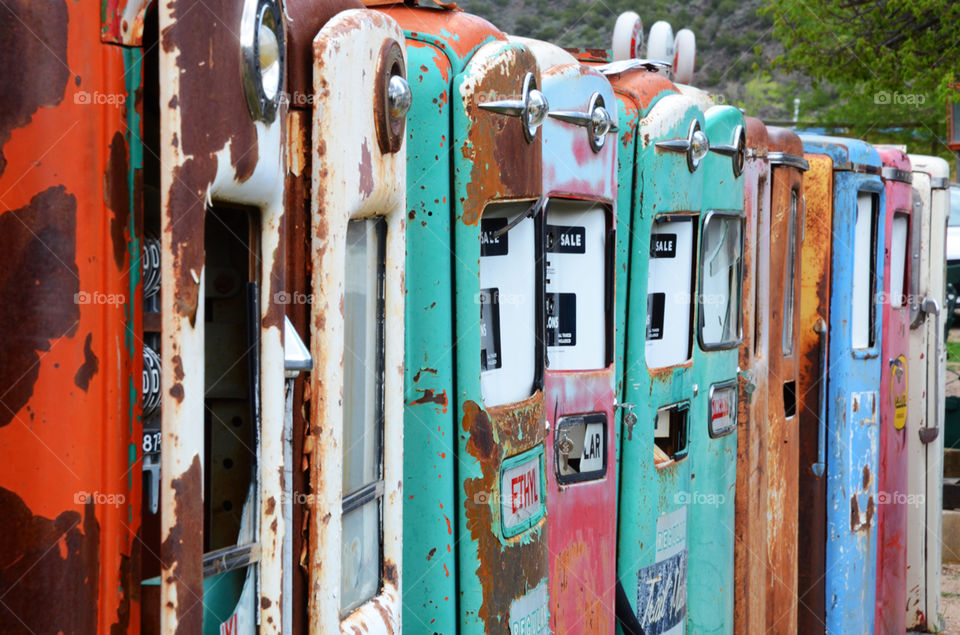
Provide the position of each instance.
(670, 433)
(789, 399)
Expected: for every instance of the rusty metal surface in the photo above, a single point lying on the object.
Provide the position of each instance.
(69, 484)
(212, 152)
(582, 536)
(304, 20)
(122, 21)
(852, 462)
(456, 33)
(352, 178)
(782, 433)
(653, 494)
(750, 561)
(297, 231)
(892, 507)
(495, 572)
(814, 306)
(641, 86)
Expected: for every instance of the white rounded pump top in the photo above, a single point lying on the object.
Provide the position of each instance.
(684, 56)
(627, 37)
(660, 42)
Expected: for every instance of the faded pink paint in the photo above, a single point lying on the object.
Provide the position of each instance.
(889, 616)
(583, 518)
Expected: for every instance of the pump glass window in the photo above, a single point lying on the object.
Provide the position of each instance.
(507, 299)
(863, 312)
(669, 291)
(576, 285)
(790, 288)
(363, 360)
(898, 259)
(720, 280)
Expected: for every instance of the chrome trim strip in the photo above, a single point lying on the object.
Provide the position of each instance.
(896, 174)
(939, 183)
(859, 168)
(789, 160)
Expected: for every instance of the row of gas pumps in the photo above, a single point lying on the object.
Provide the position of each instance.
(444, 330)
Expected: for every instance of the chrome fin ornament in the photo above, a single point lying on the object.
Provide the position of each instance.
(736, 151)
(695, 146)
(532, 107)
(596, 120)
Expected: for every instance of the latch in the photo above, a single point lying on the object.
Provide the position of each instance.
(629, 417)
(296, 355)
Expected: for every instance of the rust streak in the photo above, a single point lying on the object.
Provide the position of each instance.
(40, 285)
(90, 365)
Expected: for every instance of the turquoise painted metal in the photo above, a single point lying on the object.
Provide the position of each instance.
(473, 561)
(429, 594)
(659, 202)
(853, 390)
(713, 430)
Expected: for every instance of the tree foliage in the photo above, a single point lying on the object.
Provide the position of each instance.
(904, 46)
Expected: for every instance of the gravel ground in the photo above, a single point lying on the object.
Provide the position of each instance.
(950, 597)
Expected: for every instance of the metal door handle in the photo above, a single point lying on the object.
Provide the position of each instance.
(930, 306)
(820, 465)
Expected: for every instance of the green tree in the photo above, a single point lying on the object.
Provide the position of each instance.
(885, 45)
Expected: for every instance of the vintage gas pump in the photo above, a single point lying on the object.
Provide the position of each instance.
(898, 291)
(657, 254)
(851, 419)
(813, 352)
(751, 517)
(70, 359)
(481, 552)
(786, 238)
(579, 183)
(221, 210)
(712, 433)
(925, 410)
(358, 186)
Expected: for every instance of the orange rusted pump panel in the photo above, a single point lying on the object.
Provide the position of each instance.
(70, 374)
(783, 416)
(751, 517)
(814, 309)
